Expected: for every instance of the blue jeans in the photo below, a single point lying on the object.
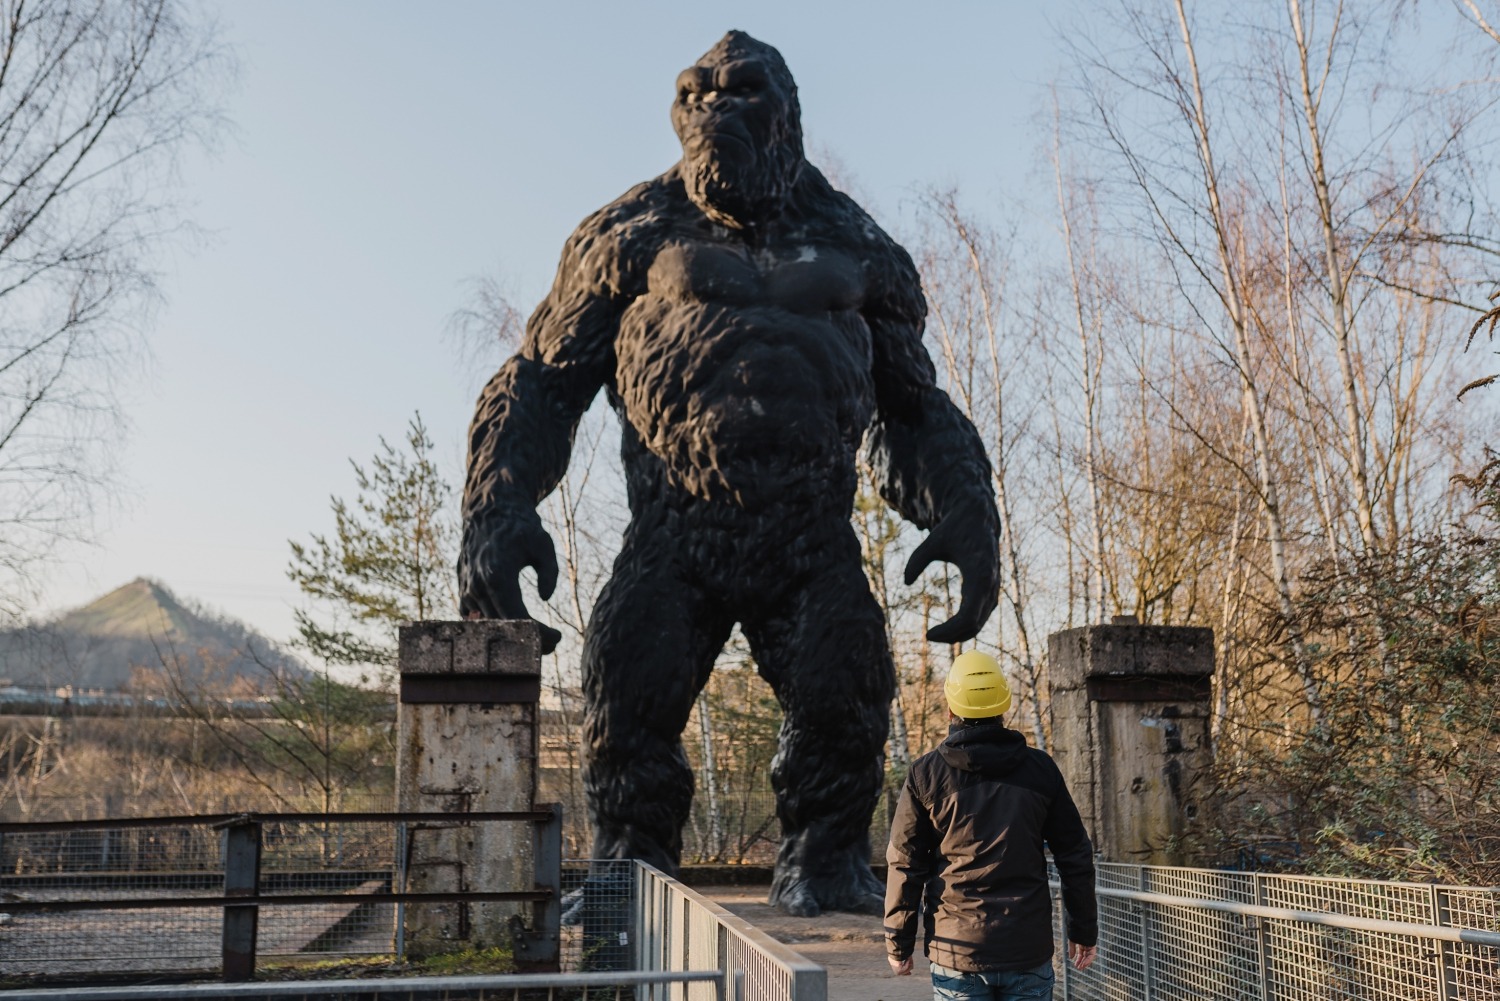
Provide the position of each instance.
(993, 985)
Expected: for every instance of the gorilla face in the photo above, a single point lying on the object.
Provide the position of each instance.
(737, 116)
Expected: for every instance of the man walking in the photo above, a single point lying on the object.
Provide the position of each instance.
(968, 833)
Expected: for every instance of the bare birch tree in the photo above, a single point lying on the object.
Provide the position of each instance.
(1184, 203)
(97, 99)
(965, 267)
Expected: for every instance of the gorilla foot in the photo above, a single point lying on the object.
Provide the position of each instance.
(839, 880)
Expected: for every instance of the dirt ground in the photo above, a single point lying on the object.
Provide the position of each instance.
(850, 946)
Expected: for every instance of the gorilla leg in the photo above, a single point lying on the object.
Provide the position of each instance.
(823, 649)
(650, 646)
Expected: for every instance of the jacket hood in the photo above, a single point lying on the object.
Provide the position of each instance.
(988, 749)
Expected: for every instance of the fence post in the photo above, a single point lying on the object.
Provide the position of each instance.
(241, 879)
(1148, 982)
(639, 891)
(402, 850)
(1446, 987)
(540, 944)
(643, 935)
(726, 991)
(1263, 973)
(810, 985)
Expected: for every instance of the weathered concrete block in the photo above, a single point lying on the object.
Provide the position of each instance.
(482, 646)
(1124, 649)
(1129, 731)
(467, 744)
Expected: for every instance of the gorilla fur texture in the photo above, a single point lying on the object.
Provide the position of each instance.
(751, 326)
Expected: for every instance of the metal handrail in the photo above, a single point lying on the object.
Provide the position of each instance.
(1471, 936)
(278, 899)
(362, 988)
(225, 819)
(1300, 877)
(783, 954)
(810, 978)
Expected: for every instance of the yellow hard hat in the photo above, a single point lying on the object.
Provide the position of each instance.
(976, 687)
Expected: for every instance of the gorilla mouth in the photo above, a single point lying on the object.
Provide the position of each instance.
(719, 138)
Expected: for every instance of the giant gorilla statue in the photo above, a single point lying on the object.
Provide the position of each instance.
(750, 325)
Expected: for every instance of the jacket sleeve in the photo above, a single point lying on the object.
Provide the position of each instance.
(1074, 854)
(910, 859)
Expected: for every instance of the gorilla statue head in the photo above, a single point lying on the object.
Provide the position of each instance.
(737, 116)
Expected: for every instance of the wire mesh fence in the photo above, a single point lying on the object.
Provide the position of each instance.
(322, 886)
(183, 862)
(1168, 933)
(598, 915)
(185, 859)
(628, 930)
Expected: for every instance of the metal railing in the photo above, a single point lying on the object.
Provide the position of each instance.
(217, 892)
(680, 930)
(200, 894)
(1171, 933)
(622, 986)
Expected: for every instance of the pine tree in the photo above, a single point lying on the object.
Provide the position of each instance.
(389, 559)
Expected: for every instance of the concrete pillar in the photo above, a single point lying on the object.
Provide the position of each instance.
(1130, 710)
(467, 743)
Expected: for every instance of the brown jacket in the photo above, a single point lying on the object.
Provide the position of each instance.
(972, 820)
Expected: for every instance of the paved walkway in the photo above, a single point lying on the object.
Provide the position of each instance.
(850, 946)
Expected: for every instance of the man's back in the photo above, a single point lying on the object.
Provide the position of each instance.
(975, 814)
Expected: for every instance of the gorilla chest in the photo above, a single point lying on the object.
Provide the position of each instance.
(795, 277)
(737, 358)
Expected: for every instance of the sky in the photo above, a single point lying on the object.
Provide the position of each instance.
(383, 156)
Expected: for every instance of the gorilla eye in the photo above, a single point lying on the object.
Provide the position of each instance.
(742, 78)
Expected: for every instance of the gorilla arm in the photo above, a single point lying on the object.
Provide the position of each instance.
(522, 432)
(927, 456)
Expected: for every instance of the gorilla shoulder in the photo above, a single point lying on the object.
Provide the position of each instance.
(888, 267)
(613, 247)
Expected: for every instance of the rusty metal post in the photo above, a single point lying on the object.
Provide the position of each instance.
(467, 742)
(241, 848)
(538, 947)
(1129, 731)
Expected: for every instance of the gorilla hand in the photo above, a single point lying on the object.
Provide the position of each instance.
(494, 551)
(967, 538)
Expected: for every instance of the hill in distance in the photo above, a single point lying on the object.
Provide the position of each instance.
(141, 625)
